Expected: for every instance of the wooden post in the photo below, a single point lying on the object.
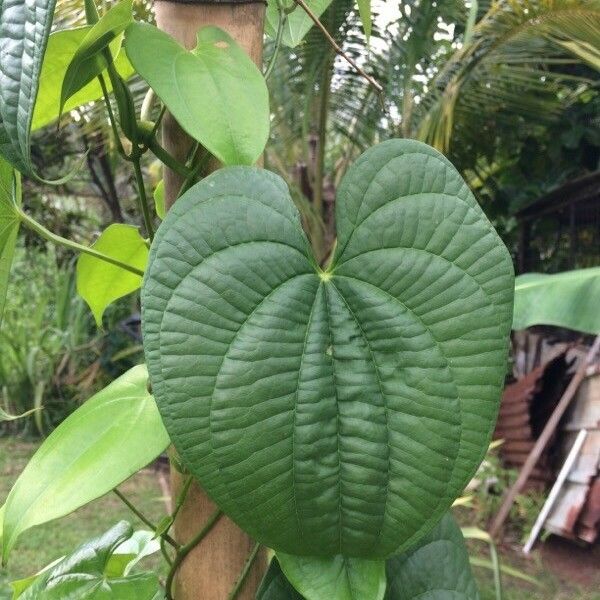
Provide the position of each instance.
(211, 570)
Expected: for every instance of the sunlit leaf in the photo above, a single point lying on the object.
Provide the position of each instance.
(106, 440)
(216, 93)
(364, 7)
(89, 60)
(564, 300)
(62, 46)
(100, 283)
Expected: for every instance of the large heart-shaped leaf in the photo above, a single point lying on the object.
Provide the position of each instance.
(24, 31)
(338, 411)
(216, 93)
(437, 568)
(83, 574)
(106, 440)
(565, 299)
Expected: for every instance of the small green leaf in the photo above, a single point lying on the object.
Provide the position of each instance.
(159, 199)
(24, 31)
(565, 300)
(216, 93)
(275, 586)
(89, 60)
(10, 200)
(100, 283)
(364, 8)
(83, 574)
(437, 567)
(106, 440)
(297, 24)
(335, 578)
(62, 47)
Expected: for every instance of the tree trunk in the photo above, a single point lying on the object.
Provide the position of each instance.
(211, 570)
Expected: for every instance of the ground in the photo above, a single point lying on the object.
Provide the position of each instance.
(563, 571)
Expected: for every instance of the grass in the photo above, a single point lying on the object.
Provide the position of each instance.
(41, 545)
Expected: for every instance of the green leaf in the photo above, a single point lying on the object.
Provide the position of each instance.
(159, 199)
(24, 31)
(232, 118)
(436, 568)
(364, 8)
(565, 300)
(62, 47)
(106, 440)
(89, 60)
(129, 553)
(10, 200)
(297, 24)
(83, 575)
(334, 578)
(100, 283)
(275, 586)
(336, 412)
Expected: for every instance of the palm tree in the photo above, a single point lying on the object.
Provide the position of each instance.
(460, 77)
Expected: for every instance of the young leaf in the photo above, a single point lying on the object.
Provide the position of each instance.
(275, 586)
(129, 553)
(231, 119)
(564, 300)
(10, 200)
(62, 46)
(83, 574)
(159, 199)
(89, 60)
(297, 24)
(437, 567)
(335, 578)
(100, 283)
(364, 8)
(24, 31)
(106, 440)
(336, 412)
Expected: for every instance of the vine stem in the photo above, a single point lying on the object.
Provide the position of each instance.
(142, 198)
(187, 548)
(111, 116)
(167, 159)
(240, 582)
(278, 38)
(140, 515)
(61, 241)
(302, 4)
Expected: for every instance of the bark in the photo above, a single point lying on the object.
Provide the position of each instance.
(212, 569)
